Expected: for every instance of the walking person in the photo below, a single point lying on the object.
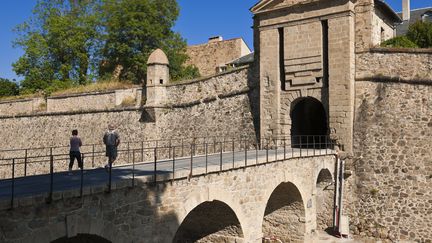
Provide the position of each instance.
(74, 152)
(111, 140)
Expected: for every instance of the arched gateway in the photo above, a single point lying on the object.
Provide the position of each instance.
(309, 124)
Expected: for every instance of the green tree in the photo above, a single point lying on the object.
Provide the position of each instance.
(8, 88)
(421, 33)
(60, 43)
(134, 29)
(72, 42)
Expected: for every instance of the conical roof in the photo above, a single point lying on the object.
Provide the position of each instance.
(158, 57)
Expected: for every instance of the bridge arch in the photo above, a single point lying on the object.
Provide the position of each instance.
(284, 216)
(82, 238)
(206, 205)
(210, 221)
(86, 230)
(308, 117)
(324, 199)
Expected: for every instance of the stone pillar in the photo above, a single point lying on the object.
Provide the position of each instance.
(157, 78)
(341, 79)
(364, 10)
(269, 82)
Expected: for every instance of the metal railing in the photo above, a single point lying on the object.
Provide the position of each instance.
(164, 160)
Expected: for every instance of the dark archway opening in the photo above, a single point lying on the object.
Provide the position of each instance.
(284, 216)
(82, 238)
(210, 222)
(324, 200)
(309, 126)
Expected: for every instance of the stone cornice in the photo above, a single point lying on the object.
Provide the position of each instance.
(401, 50)
(340, 14)
(69, 113)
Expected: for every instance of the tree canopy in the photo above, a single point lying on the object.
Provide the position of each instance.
(73, 42)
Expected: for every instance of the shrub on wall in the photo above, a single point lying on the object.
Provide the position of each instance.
(399, 42)
(421, 33)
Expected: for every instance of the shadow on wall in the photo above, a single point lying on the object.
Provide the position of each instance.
(254, 97)
(129, 214)
(324, 199)
(138, 215)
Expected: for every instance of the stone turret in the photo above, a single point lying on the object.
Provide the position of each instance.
(157, 78)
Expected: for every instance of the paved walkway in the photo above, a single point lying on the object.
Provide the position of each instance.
(62, 181)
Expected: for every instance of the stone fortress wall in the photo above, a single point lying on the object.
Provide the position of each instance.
(378, 101)
(392, 145)
(217, 106)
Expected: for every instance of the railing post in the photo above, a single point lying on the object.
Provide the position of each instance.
(169, 148)
(233, 154)
(51, 177)
(292, 146)
(142, 151)
(82, 174)
(267, 151)
(276, 148)
(128, 153)
(191, 160)
(133, 168)
(256, 151)
(182, 150)
(155, 164)
(13, 184)
(220, 165)
(93, 154)
(300, 139)
(246, 144)
(206, 157)
(313, 140)
(25, 163)
(173, 164)
(326, 144)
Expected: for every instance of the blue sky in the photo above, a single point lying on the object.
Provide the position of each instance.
(199, 19)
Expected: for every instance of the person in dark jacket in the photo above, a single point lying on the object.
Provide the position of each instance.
(111, 140)
(74, 152)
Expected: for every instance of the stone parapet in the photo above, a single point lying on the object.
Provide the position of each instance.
(94, 101)
(395, 65)
(22, 106)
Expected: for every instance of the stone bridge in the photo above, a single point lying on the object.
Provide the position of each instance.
(286, 199)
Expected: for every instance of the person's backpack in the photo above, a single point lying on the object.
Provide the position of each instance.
(111, 138)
